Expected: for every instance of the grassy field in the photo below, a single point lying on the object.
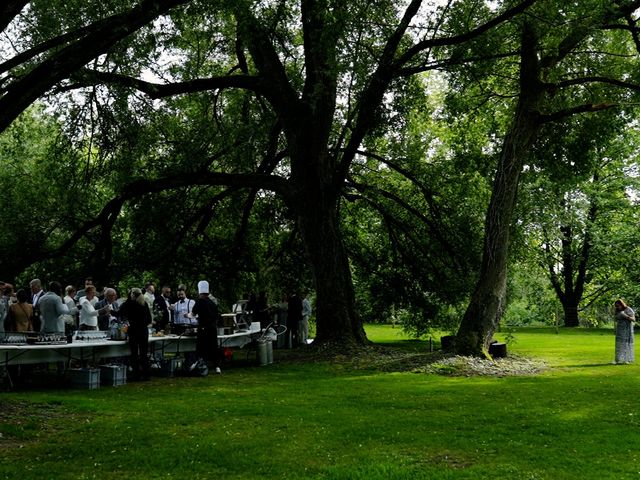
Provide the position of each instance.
(578, 420)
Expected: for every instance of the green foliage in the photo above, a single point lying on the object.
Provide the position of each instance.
(580, 189)
(42, 192)
(413, 238)
(531, 299)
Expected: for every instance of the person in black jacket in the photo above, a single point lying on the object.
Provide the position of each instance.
(262, 310)
(294, 316)
(207, 338)
(136, 311)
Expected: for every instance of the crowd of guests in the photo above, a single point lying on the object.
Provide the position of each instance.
(55, 312)
(140, 311)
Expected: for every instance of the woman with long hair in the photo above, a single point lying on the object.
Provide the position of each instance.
(20, 315)
(625, 319)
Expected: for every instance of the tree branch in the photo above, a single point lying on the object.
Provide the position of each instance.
(567, 112)
(281, 94)
(52, 43)
(86, 77)
(592, 79)
(465, 37)
(109, 213)
(372, 95)
(24, 91)
(408, 71)
(433, 228)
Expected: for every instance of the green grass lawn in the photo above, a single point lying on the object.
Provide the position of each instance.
(580, 419)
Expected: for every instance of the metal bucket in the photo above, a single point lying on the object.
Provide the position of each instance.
(269, 351)
(262, 352)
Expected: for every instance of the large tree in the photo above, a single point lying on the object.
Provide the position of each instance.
(320, 76)
(323, 71)
(578, 210)
(546, 82)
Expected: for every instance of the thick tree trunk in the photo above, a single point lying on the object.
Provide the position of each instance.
(570, 307)
(488, 301)
(317, 196)
(336, 317)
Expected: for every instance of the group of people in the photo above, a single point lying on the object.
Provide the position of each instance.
(63, 312)
(145, 309)
(293, 312)
(52, 311)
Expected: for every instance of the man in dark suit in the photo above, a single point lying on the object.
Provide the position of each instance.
(36, 293)
(294, 316)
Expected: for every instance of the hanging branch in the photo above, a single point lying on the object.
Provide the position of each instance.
(109, 213)
(23, 91)
(433, 228)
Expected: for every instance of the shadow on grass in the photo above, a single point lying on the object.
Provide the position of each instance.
(593, 365)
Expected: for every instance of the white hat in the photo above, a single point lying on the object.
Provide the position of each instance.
(203, 286)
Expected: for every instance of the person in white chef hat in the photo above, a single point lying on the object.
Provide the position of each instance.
(207, 338)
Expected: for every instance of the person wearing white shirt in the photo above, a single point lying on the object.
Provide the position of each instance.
(150, 296)
(88, 313)
(182, 317)
(70, 319)
(36, 292)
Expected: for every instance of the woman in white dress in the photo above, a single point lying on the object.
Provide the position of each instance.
(625, 319)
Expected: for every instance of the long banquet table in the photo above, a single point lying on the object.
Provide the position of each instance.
(95, 350)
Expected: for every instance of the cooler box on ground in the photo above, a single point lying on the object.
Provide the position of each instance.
(113, 375)
(88, 378)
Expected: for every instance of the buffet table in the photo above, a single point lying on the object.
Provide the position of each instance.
(95, 350)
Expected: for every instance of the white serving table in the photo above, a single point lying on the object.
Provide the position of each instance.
(96, 350)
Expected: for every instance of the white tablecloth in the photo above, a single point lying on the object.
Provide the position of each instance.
(94, 351)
